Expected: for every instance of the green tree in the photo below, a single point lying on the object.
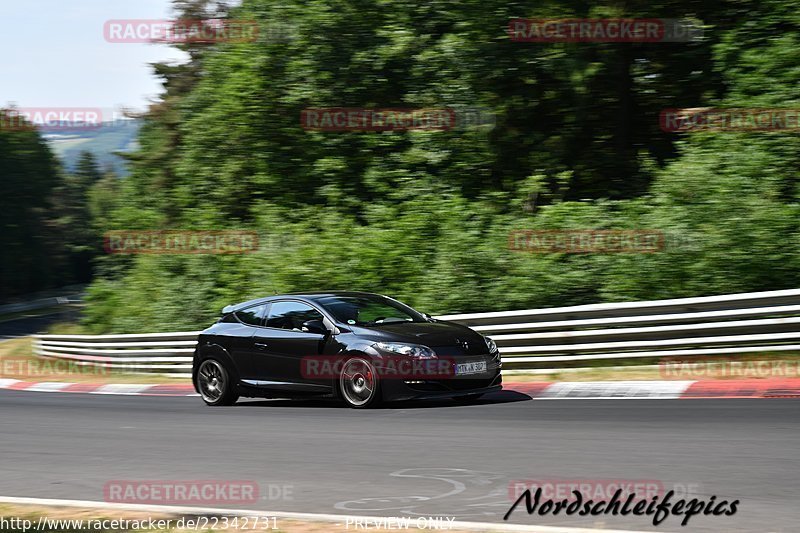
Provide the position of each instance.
(72, 218)
(425, 216)
(28, 175)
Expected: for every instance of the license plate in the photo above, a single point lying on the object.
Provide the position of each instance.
(470, 368)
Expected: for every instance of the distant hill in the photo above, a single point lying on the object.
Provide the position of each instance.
(119, 136)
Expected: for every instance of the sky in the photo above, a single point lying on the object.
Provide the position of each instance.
(56, 54)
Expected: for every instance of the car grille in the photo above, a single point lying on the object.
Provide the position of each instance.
(446, 385)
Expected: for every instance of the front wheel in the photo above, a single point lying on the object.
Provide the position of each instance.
(359, 384)
(215, 384)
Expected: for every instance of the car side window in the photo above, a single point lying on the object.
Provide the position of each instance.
(252, 315)
(291, 315)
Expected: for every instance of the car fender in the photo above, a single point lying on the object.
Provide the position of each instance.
(361, 347)
(217, 351)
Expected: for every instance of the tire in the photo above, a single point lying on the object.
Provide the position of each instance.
(469, 398)
(215, 383)
(359, 385)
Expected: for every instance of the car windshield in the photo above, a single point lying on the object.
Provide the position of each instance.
(369, 310)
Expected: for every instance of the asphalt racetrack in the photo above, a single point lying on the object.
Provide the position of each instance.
(425, 459)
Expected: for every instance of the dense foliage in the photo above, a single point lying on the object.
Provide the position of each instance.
(29, 174)
(50, 221)
(426, 216)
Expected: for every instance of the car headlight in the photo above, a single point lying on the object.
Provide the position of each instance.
(490, 344)
(412, 350)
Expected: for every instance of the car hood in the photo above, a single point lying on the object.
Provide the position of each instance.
(445, 338)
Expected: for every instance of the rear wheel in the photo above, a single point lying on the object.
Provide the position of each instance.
(215, 383)
(358, 383)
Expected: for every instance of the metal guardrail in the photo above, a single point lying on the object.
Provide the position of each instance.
(168, 353)
(534, 338)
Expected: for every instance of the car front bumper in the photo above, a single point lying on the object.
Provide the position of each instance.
(399, 390)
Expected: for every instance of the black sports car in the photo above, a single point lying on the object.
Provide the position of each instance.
(361, 347)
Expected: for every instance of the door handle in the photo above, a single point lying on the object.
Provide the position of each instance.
(261, 346)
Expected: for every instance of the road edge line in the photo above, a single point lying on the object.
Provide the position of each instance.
(309, 517)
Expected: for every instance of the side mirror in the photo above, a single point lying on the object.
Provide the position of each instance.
(428, 317)
(314, 326)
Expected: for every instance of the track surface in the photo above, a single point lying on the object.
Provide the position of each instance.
(28, 325)
(415, 459)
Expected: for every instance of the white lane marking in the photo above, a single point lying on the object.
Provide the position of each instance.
(310, 517)
(121, 388)
(568, 390)
(616, 389)
(48, 386)
(460, 482)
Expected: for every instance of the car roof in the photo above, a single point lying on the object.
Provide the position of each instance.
(309, 296)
